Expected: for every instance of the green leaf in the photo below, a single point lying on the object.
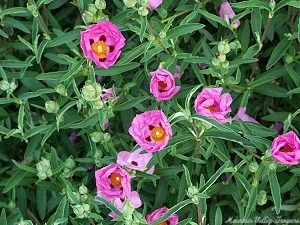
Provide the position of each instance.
(251, 202)
(117, 69)
(51, 76)
(15, 11)
(278, 52)
(283, 3)
(14, 64)
(143, 20)
(40, 50)
(293, 74)
(63, 39)
(41, 196)
(251, 4)
(214, 177)
(189, 97)
(218, 217)
(268, 76)
(36, 130)
(3, 220)
(130, 103)
(213, 17)
(171, 211)
(75, 68)
(187, 176)
(24, 167)
(62, 211)
(275, 190)
(49, 132)
(183, 29)
(133, 54)
(14, 180)
(109, 205)
(256, 21)
(11, 22)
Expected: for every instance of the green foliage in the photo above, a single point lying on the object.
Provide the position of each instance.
(209, 173)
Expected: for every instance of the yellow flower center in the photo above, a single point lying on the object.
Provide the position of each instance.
(158, 134)
(115, 179)
(162, 223)
(100, 49)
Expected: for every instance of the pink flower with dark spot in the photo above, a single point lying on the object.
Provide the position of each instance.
(134, 199)
(227, 13)
(211, 103)
(153, 4)
(102, 43)
(151, 130)
(162, 85)
(286, 148)
(172, 220)
(134, 160)
(242, 115)
(112, 182)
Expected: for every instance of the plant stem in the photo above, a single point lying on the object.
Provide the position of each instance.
(199, 214)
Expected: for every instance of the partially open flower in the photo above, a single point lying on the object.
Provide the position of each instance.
(134, 160)
(227, 13)
(151, 130)
(211, 103)
(242, 115)
(162, 85)
(112, 182)
(286, 148)
(102, 43)
(153, 4)
(172, 220)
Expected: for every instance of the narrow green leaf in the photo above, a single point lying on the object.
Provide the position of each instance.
(251, 4)
(15, 11)
(187, 176)
(28, 95)
(75, 68)
(251, 202)
(214, 177)
(268, 76)
(40, 50)
(278, 52)
(275, 190)
(62, 211)
(63, 39)
(183, 29)
(109, 205)
(117, 69)
(213, 17)
(11, 22)
(14, 64)
(51, 129)
(14, 180)
(24, 167)
(293, 74)
(283, 3)
(133, 54)
(3, 220)
(52, 76)
(130, 103)
(41, 196)
(218, 217)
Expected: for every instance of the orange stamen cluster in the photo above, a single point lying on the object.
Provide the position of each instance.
(162, 85)
(158, 134)
(115, 179)
(100, 49)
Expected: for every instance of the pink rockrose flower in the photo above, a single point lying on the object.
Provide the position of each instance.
(172, 220)
(226, 12)
(133, 197)
(106, 94)
(211, 103)
(162, 85)
(106, 124)
(286, 148)
(242, 115)
(102, 43)
(151, 130)
(153, 4)
(134, 160)
(112, 182)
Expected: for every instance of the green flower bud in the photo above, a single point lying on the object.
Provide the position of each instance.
(253, 167)
(192, 191)
(235, 45)
(272, 5)
(60, 89)
(92, 9)
(51, 107)
(215, 61)
(83, 198)
(225, 64)
(261, 198)
(223, 47)
(12, 87)
(129, 3)
(33, 9)
(106, 137)
(78, 210)
(100, 4)
(25, 222)
(83, 190)
(96, 136)
(70, 163)
(162, 34)
(4, 85)
(128, 209)
(67, 173)
(143, 11)
(87, 17)
(91, 92)
(289, 59)
(98, 104)
(221, 58)
(272, 166)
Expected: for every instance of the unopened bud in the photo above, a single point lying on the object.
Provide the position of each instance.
(129, 3)
(253, 167)
(96, 136)
(4, 85)
(261, 198)
(60, 89)
(143, 11)
(51, 107)
(91, 92)
(223, 47)
(100, 4)
(83, 190)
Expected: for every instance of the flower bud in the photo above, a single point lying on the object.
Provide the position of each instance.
(43, 169)
(33, 9)
(129, 3)
(192, 191)
(91, 92)
(92, 9)
(253, 167)
(70, 163)
(4, 85)
(98, 104)
(143, 11)
(96, 136)
(100, 4)
(51, 107)
(106, 137)
(60, 89)
(261, 198)
(225, 64)
(289, 59)
(221, 58)
(223, 47)
(87, 17)
(272, 166)
(83, 190)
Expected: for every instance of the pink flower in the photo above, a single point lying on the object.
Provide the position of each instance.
(133, 197)
(151, 130)
(106, 124)
(134, 160)
(278, 126)
(73, 137)
(162, 85)
(226, 13)
(102, 43)
(172, 220)
(153, 4)
(112, 182)
(107, 94)
(178, 74)
(242, 115)
(286, 148)
(212, 104)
